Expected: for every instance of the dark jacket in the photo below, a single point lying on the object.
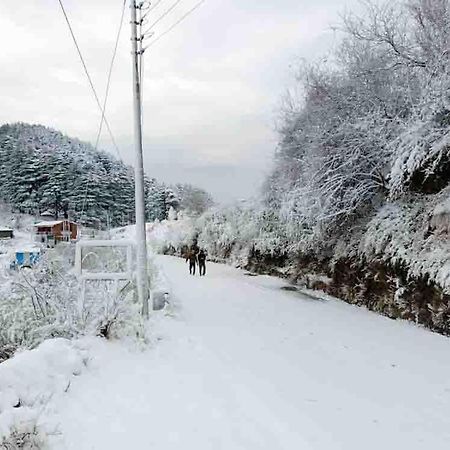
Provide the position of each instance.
(191, 257)
(201, 257)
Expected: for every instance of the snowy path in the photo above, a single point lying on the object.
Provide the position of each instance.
(247, 366)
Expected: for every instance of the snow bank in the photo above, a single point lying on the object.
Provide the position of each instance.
(32, 377)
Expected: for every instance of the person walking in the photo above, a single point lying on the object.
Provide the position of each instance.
(192, 258)
(201, 257)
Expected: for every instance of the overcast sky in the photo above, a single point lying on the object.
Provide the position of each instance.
(212, 86)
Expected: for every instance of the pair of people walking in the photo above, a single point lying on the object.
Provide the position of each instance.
(196, 256)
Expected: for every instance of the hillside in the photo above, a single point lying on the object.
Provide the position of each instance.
(360, 188)
(41, 169)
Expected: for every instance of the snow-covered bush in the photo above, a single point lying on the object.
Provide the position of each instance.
(109, 313)
(46, 302)
(228, 234)
(170, 236)
(23, 433)
(36, 304)
(236, 233)
(193, 200)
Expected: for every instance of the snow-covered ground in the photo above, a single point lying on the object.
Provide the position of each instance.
(31, 378)
(246, 365)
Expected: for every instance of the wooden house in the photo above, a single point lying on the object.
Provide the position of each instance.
(56, 231)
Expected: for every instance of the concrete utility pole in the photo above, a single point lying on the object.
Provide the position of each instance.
(141, 239)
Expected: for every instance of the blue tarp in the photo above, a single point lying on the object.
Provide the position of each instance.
(28, 258)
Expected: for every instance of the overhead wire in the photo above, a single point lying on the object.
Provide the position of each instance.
(142, 48)
(102, 109)
(152, 7)
(168, 30)
(162, 16)
(88, 75)
(108, 83)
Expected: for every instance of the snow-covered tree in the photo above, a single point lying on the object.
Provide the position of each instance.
(193, 200)
(371, 125)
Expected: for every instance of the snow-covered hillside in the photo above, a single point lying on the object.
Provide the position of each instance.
(42, 169)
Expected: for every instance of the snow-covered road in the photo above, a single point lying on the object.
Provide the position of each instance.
(245, 365)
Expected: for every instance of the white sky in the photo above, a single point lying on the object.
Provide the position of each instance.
(212, 86)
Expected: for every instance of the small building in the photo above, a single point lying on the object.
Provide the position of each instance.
(26, 257)
(6, 233)
(56, 231)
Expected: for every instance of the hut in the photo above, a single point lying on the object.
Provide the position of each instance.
(56, 231)
(26, 257)
(6, 233)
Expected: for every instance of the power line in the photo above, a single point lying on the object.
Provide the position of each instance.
(183, 17)
(108, 84)
(103, 109)
(88, 76)
(161, 17)
(106, 96)
(154, 6)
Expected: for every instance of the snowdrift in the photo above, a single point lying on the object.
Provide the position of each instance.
(29, 380)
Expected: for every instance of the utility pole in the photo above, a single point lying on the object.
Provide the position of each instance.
(141, 239)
